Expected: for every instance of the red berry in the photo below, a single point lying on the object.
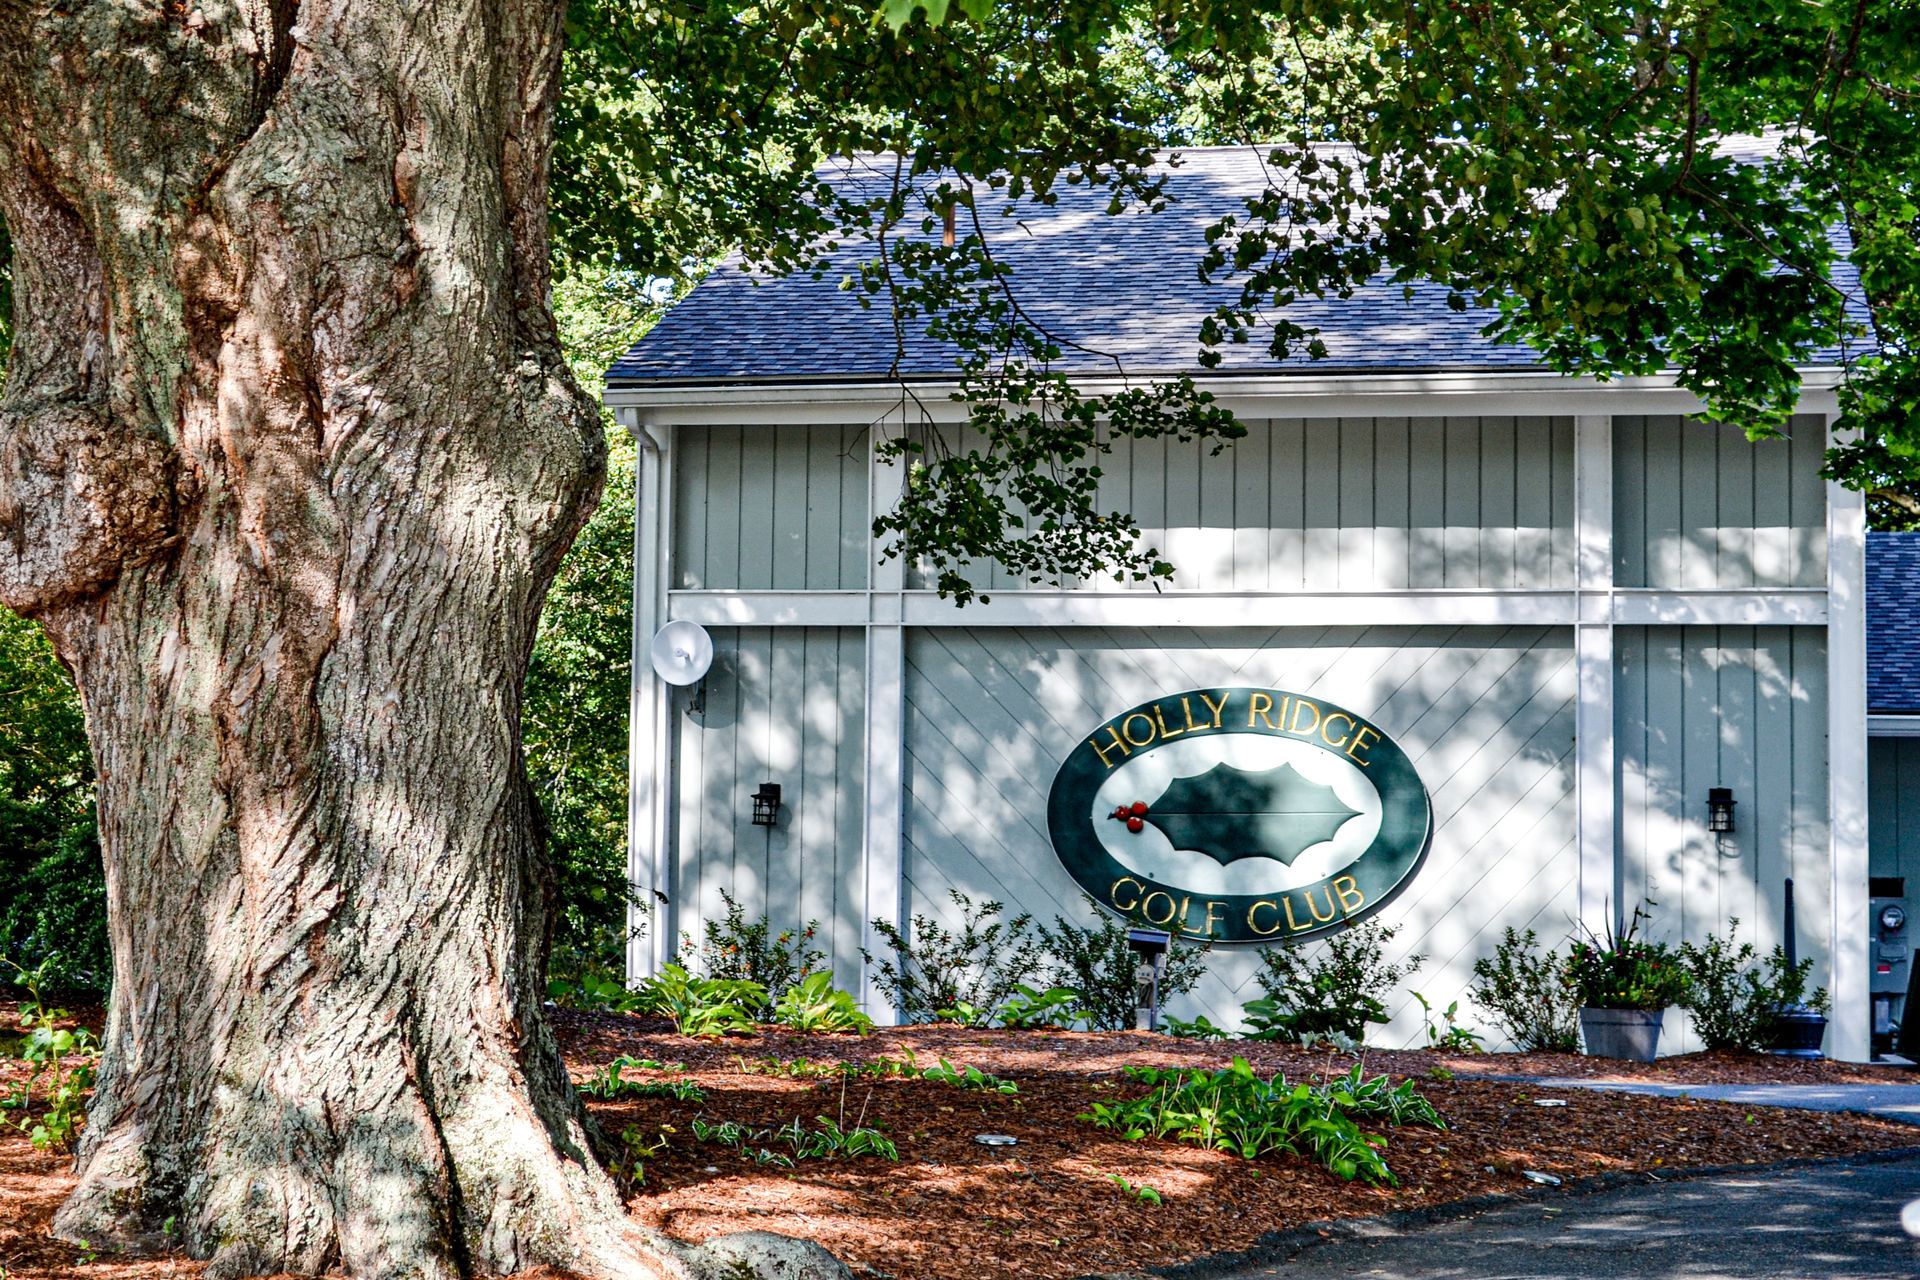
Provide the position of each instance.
(1136, 825)
(1139, 809)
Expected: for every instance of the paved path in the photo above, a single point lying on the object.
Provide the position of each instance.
(1891, 1101)
(1829, 1221)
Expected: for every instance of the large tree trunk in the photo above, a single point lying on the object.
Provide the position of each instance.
(288, 459)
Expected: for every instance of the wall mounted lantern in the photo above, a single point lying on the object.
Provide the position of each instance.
(766, 805)
(1720, 810)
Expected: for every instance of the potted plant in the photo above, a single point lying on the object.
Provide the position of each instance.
(1624, 985)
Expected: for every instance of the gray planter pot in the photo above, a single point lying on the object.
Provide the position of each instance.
(1633, 1034)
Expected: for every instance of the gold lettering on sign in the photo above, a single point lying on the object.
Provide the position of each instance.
(1113, 894)
(1186, 709)
(1326, 729)
(1146, 908)
(1126, 727)
(1160, 719)
(1260, 707)
(1253, 912)
(1218, 708)
(1213, 915)
(1101, 751)
(1315, 908)
(1299, 705)
(1351, 899)
(1363, 738)
(1292, 924)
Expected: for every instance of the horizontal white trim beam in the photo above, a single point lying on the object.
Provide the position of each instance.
(1303, 395)
(1446, 607)
(1890, 726)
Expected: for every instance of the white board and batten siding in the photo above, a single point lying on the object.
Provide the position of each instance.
(1359, 507)
(1485, 713)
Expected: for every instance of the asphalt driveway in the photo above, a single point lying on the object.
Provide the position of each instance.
(1835, 1221)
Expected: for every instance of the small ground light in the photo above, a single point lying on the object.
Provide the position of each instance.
(1720, 809)
(766, 805)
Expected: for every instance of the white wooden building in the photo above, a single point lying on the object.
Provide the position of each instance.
(1574, 607)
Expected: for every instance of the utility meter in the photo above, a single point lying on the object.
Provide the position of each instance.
(1892, 956)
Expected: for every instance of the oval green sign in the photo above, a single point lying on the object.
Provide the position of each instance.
(1240, 815)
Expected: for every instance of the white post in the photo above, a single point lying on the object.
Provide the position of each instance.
(1596, 781)
(1849, 1035)
(649, 710)
(884, 831)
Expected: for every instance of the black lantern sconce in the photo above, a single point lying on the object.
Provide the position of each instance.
(1720, 810)
(766, 805)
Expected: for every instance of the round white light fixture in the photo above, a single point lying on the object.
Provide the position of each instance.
(682, 652)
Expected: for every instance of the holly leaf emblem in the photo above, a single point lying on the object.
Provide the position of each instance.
(1229, 814)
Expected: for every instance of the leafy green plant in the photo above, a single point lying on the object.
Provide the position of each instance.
(1447, 1035)
(701, 1006)
(1528, 994)
(1028, 1010)
(967, 1078)
(1200, 1028)
(596, 992)
(61, 1066)
(1238, 1111)
(737, 949)
(1095, 961)
(1624, 971)
(965, 1015)
(1732, 998)
(611, 1083)
(1333, 987)
(1138, 1191)
(827, 1140)
(935, 970)
(815, 1006)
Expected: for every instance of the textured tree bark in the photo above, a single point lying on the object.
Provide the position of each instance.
(287, 462)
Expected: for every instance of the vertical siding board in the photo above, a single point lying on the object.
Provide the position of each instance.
(857, 551)
(1770, 829)
(722, 508)
(1286, 483)
(1461, 554)
(1630, 750)
(1808, 567)
(1812, 885)
(1321, 482)
(1773, 534)
(1631, 536)
(758, 506)
(1667, 717)
(690, 517)
(1251, 509)
(1427, 503)
(1390, 512)
(1883, 806)
(1907, 804)
(1699, 503)
(1499, 509)
(1733, 565)
(1355, 558)
(1150, 500)
(1213, 503)
(1742, 724)
(1661, 479)
(1533, 503)
(849, 810)
(791, 478)
(1563, 550)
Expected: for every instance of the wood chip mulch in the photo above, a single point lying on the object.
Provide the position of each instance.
(1048, 1207)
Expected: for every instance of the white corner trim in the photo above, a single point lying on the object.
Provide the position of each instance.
(1849, 1036)
(883, 827)
(650, 712)
(1595, 782)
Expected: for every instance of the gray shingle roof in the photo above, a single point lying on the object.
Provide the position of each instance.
(1126, 286)
(1893, 622)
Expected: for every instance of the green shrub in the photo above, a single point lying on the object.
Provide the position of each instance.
(1732, 999)
(936, 971)
(740, 950)
(1237, 1111)
(60, 1068)
(1095, 962)
(1200, 1028)
(701, 1006)
(612, 1083)
(1333, 987)
(1528, 994)
(815, 1006)
(1030, 1010)
(1623, 971)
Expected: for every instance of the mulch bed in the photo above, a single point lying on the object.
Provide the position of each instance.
(1048, 1207)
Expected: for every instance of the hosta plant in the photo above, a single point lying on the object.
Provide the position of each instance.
(816, 1007)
